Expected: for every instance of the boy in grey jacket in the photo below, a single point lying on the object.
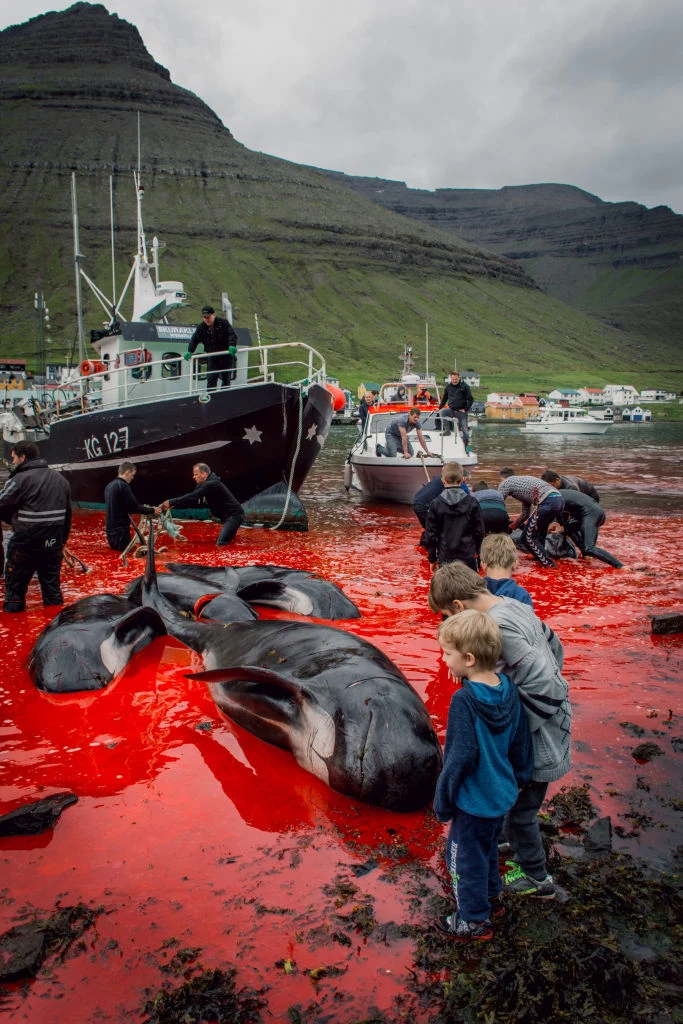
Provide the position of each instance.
(533, 661)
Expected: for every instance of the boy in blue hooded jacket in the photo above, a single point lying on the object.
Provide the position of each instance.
(488, 757)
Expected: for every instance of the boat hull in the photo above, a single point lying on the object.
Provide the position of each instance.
(570, 428)
(252, 437)
(394, 479)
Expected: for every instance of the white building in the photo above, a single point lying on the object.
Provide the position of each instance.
(570, 396)
(501, 398)
(657, 395)
(592, 396)
(470, 377)
(620, 394)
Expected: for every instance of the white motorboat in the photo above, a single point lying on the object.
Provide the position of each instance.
(398, 478)
(556, 419)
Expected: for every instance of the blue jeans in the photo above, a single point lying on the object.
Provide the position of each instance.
(472, 862)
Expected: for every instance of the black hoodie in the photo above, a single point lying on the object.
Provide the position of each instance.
(455, 527)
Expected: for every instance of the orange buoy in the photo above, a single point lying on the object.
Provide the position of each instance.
(338, 397)
(89, 366)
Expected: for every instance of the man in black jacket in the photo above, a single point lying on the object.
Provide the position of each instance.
(120, 503)
(456, 401)
(222, 503)
(216, 335)
(37, 501)
(582, 518)
(454, 528)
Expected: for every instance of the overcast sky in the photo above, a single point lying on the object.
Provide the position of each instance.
(437, 93)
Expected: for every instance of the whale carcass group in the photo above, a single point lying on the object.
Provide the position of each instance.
(345, 711)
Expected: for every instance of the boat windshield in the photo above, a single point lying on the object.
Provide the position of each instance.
(379, 421)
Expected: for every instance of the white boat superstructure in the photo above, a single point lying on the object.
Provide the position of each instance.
(556, 419)
(398, 478)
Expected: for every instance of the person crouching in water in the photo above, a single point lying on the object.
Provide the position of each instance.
(488, 757)
(211, 491)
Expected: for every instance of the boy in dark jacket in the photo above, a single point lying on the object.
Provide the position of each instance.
(487, 759)
(454, 528)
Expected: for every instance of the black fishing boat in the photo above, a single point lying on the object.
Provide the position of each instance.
(140, 400)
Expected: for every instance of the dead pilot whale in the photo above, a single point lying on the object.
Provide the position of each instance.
(345, 711)
(293, 590)
(90, 642)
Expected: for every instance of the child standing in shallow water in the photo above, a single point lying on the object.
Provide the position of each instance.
(487, 758)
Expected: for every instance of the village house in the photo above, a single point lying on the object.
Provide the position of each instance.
(657, 395)
(592, 396)
(501, 398)
(565, 396)
(470, 377)
(511, 409)
(620, 394)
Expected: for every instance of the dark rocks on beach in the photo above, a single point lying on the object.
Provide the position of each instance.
(598, 839)
(646, 751)
(24, 947)
(667, 622)
(36, 817)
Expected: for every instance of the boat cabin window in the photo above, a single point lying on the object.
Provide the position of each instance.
(170, 367)
(106, 359)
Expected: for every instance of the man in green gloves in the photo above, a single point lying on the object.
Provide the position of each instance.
(216, 335)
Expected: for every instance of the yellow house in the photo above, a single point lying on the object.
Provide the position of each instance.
(513, 410)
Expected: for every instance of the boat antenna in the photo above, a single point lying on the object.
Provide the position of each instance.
(77, 258)
(113, 254)
(426, 348)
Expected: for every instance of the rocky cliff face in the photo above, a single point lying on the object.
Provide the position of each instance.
(576, 246)
(72, 85)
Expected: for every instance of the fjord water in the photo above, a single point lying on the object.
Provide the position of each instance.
(192, 834)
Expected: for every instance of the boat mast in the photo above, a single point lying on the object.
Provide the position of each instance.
(426, 348)
(77, 258)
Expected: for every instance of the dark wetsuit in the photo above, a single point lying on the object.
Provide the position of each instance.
(582, 518)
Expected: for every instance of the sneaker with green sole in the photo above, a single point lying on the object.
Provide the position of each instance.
(517, 883)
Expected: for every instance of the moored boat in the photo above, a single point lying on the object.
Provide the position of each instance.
(556, 419)
(140, 400)
(398, 478)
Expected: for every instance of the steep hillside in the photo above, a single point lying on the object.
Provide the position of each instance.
(314, 260)
(619, 261)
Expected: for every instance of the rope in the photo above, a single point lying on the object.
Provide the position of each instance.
(296, 456)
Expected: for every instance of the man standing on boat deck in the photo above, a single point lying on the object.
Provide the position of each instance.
(222, 503)
(37, 501)
(456, 402)
(396, 434)
(216, 334)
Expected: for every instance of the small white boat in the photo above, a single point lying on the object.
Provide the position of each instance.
(398, 478)
(556, 419)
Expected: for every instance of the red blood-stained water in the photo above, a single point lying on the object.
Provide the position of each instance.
(188, 828)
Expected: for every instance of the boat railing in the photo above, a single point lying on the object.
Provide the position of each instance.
(294, 363)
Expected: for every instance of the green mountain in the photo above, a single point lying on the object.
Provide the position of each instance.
(620, 262)
(314, 260)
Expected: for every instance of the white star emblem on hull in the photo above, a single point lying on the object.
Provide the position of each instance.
(252, 435)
